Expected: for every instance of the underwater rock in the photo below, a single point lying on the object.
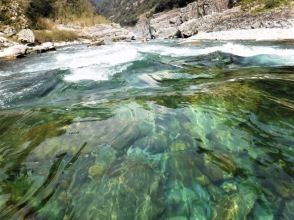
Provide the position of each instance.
(262, 211)
(235, 205)
(130, 190)
(178, 146)
(96, 170)
(287, 212)
(229, 187)
(190, 203)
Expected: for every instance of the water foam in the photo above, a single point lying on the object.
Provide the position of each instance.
(232, 48)
(100, 63)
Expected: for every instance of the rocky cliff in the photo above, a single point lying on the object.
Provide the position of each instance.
(127, 12)
(211, 15)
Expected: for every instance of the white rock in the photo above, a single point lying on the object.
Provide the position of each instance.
(43, 47)
(26, 36)
(14, 51)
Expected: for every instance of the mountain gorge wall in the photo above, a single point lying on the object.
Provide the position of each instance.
(208, 16)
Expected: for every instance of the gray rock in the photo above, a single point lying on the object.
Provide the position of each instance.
(26, 36)
(189, 28)
(211, 16)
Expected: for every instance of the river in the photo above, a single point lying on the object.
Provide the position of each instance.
(161, 130)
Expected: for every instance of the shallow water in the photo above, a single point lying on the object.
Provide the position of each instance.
(162, 130)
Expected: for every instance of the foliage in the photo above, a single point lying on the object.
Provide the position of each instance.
(263, 4)
(43, 13)
(39, 8)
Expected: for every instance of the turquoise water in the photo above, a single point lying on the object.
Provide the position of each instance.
(160, 130)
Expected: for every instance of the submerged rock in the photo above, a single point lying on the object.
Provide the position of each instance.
(235, 205)
(96, 170)
(188, 203)
(130, 190)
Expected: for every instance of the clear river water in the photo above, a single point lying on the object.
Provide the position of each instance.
(160, 130)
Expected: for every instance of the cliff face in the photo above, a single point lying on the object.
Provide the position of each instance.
(127, 12)
(212, 15)
(167, 24)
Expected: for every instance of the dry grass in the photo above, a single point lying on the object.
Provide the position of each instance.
(45, 24)
(263, 5)
(54, 36)
(84, 21)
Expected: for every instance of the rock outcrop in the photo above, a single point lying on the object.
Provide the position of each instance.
(208, 16)
(166, 24)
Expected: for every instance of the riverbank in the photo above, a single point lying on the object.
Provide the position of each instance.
(15, 45)
(261, 34)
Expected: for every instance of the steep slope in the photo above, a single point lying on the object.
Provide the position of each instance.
(23, 13)
(127, 12)
(215, 15)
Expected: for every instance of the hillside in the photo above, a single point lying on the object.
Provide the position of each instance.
(25, 13)
(127, 12)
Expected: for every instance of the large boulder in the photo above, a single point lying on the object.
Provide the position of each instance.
(26, 36)
(14, 51)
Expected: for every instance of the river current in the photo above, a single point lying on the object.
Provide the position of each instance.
(160, 130)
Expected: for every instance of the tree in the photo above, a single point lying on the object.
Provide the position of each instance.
(39, 8)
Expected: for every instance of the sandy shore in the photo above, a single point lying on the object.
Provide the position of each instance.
(275, 34)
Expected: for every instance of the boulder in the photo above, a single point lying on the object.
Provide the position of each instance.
(26, 36)
(189, 28)
(14, 51)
